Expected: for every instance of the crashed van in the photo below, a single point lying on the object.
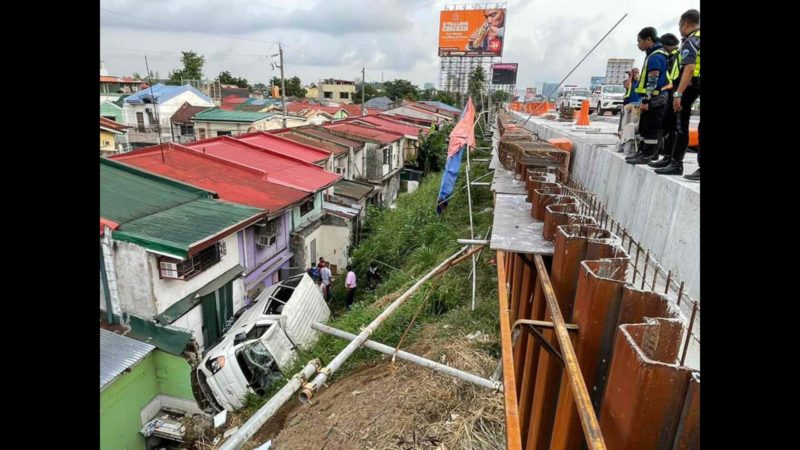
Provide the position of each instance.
(262, 342)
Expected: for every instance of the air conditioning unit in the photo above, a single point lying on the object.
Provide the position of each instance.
(265, 240)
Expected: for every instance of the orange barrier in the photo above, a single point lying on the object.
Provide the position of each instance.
(583, 117)
(694, 137)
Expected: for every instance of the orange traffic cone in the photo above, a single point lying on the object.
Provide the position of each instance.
(583, 117)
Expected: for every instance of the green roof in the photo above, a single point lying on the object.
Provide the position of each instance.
(110, 109)
(221, 115)
(163, 215)
(127, 194)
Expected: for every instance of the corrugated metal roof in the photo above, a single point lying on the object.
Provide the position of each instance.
(118, 353)
(163, 93)
(378, 103)
(381, 135)
(285, 146)
(185, 113)
(316, 143)
(232, 182)
(406, 129)
(221, 115)
(112, 126)
(352, 189)
(441, 105)
(183, 230)
(322, 133)
(281, 169)
(127, 193)
(340, 210)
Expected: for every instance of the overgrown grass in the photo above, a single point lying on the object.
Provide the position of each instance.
(414, 240)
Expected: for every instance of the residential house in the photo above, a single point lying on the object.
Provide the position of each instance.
(339, 153)
(112, 111)
(383, 157)
(442, 106)
(113, 137)
(139, 382)
(354, 194)
(350, 168)
(381, 103)
(285, 167)
(424, 112)
(219, 122)
(170, 256)
(181, 123)
(411, 133)
(312, 91)
(290, 148)
(336, 112)
(111, 87)
(264, 247)
(149, 108)
(337, 90)
(258, 105)
(341, 228)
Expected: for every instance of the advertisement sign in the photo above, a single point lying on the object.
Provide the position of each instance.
(472, 32)
(530, 94)
(505, 73)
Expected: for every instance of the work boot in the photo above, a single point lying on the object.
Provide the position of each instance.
(674, 168)
(693, 176)
(634, 155)
(663, 162)
(649, 152)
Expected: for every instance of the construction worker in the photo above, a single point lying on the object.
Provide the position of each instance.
(670, 123)
(631, 97)
(650, 89)
(686, 91)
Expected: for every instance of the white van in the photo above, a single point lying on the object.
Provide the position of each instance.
(607, 97)
(261, 342)
(572, 98)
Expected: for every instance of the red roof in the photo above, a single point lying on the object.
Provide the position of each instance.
(377, 134)
(390, 125)
(316, 143)
(107, 223)
(233, 182)
(108, 123)
(281, 169)
(415, 120)
(113, 79)
(234, 99)
(285, 146)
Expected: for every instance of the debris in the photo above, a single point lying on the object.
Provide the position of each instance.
(487, 210)
(221, 418)
(454, 416)
(230, 432)
(354, 393)
(474, 335)
(267, 445)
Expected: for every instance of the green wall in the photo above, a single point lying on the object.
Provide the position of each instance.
(123, 399)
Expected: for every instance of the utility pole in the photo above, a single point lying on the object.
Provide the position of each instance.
(363, 108)
(283, 85)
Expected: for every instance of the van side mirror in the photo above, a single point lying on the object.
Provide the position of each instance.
(240, 337)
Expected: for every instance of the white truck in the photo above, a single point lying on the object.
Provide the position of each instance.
(607, 97)
(261, 342)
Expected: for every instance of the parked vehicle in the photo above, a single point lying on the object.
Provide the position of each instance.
(607, 97)
(572, 98)
(262, 342)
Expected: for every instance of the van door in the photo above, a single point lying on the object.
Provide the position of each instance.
(305, 307)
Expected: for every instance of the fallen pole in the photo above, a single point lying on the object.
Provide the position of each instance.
(308, 391)
(410, 357)
(249, 428)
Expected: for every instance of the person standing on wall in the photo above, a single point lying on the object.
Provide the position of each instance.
(670, 123)
(350, 284)
(654, 101)
(687, 91)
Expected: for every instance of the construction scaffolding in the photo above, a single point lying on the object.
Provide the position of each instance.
(454, 71)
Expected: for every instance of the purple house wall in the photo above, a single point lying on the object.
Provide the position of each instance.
(262, 265)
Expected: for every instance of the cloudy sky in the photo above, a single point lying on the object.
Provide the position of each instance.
(391, 38)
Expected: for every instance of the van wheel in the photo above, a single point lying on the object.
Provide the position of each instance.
(599, 110)
(615, 112)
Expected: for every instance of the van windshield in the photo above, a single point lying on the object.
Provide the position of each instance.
(613, 89)
(258, 366)
(577, 93)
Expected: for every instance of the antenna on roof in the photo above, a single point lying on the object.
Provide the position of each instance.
(155, 108)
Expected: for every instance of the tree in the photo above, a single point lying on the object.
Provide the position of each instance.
(225, 77)
(136, 76)
(432, 154)
(398, 89)
(369, 93)
(476, 87)
(294, 87)
(192, 68)
(500, 96)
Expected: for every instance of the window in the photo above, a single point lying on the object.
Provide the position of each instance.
(188, 269)
(110, 118)
(386, 155)
(223, 133)
(187, 130)
(328, 94)
(268, 234)
(106, 143)
(306, 207)
(342, 171)
(344, 95)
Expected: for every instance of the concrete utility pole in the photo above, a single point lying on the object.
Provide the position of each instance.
(363, 108)
(283, 85)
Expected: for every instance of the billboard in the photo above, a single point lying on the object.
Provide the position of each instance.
(472, 32)
(504, 73)
(530, 94)
(596, 81)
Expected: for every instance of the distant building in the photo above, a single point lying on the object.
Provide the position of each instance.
(337, 90)
(596, 81)
(616, 68)
(549, 90)
(428, 86)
